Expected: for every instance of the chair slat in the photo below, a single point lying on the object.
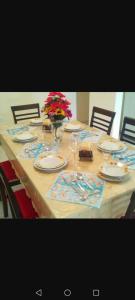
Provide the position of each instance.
(101, 119)
(35, 106)
(102, 112)
(127, 137)
(100, 123)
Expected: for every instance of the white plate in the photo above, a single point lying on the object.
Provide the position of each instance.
(114, 169)
(112, 147)
(73, 127)
(50, 162)
(37, 121)
(114, 179)
(25, 141)
(107, 151)
(24, 137)
(51, 170)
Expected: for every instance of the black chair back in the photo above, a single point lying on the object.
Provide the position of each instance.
(104, 119)
(128, 127)
(34, 112)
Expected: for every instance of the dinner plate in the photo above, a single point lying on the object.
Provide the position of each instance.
(113, 179)
(114, 170)
(24, 137)
(51, 170)
(36, 121)
(73, 127)
(50, 162)
(112, 147)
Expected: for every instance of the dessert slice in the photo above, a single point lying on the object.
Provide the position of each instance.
(85, 152)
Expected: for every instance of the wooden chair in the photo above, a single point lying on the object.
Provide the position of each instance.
(126, 129)
(9, 173)
(104, 121)
(20, 204)
(26, 115)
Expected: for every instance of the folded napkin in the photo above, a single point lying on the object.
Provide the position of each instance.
(64, 190)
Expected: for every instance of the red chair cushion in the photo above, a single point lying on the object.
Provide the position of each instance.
(8, 170)
(25, 205)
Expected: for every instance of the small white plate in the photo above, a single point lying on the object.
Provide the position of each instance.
(73, 127)
(111, 146)
(50, 161)
(114, 169)
(37, 121)
(24, 137)
(113, 179)
(51, 170)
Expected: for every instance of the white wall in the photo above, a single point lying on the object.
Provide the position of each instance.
(118, 109)
(111, 101)
(7, 99)
(82, 103)
(129, 104)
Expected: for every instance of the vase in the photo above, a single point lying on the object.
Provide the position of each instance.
(57, 131)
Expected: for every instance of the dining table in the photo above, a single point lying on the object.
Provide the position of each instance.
(116, 194)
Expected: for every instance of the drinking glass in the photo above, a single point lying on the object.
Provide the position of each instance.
(46, 138)
(106, 157)
(74, 147)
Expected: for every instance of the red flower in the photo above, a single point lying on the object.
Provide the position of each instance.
(55, 102)
(52, 94)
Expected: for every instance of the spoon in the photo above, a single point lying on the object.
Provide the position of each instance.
(81, 177)
(82, 198)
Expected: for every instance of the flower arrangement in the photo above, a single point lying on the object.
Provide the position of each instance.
(57, 107)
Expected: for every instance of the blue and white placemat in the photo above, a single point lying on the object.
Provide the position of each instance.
(128, 157)
(31, 150)
(63, 191)
(17, 129)
(91, 136)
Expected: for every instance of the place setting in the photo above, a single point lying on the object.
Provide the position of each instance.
(77, 188)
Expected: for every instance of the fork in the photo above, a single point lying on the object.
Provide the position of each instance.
(81, 177)
(82, 197)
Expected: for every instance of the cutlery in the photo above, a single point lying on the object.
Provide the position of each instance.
(82, 197)
(81, 177)
(74, 180)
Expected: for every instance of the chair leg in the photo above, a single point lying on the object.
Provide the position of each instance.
(5, 209)
(4, 203)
